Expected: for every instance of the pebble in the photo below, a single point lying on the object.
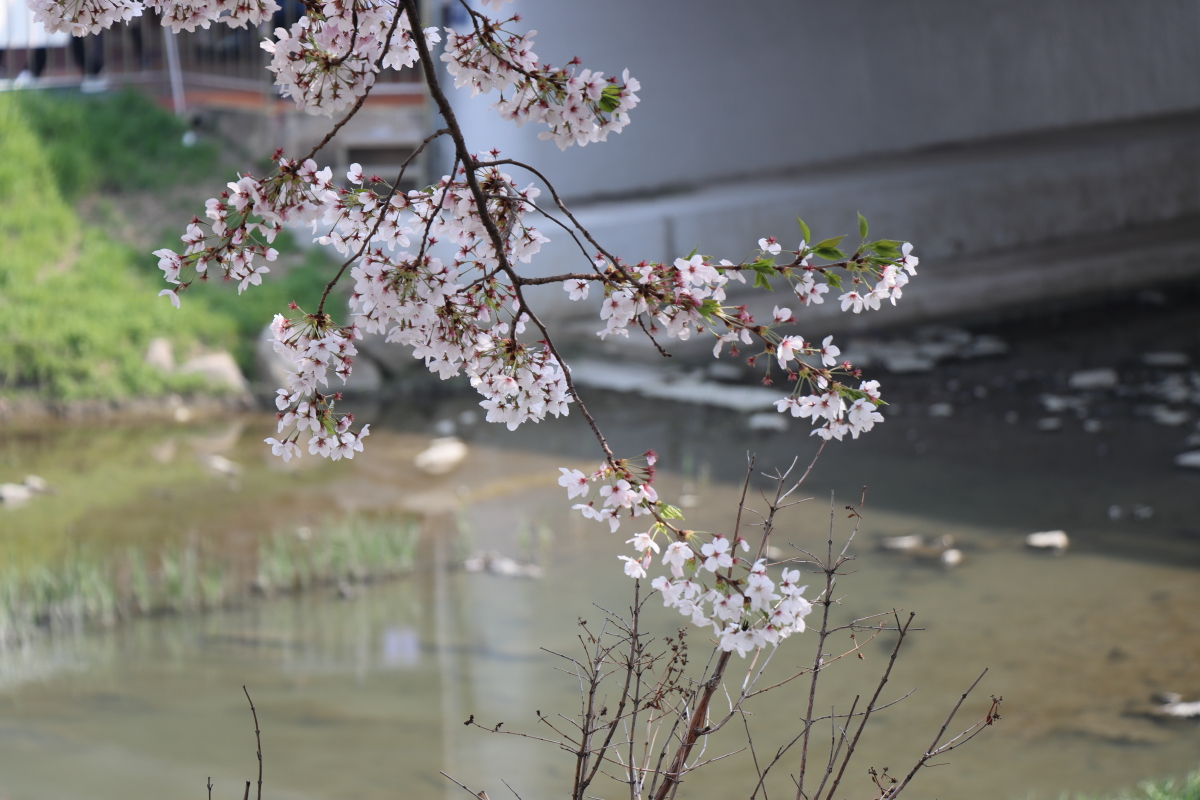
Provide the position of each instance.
(441, 456)
(903, 544)
(1190, 459)
(1103, 378)
(1165, 359)
(36, 483)
(14, 494)
(1048, 540)
(1168, 416)
(500, 565)
(767, 421)
(1181, 710)
(221, 465)
(952, 557)
(941, 410)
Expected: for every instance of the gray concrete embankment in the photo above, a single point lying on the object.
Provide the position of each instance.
(1037, 218)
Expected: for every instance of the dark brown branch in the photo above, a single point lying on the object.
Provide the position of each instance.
(382, 215)
(489, 224)
(258, 739)
(933, 749)
(870, 708)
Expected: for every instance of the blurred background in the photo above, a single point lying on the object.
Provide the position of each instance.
(1041, 377)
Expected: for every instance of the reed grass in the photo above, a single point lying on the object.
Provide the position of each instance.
(88, 589)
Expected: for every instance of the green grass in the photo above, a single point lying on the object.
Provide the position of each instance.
(75, 317)
(88, 589)
(112, 142)
(77, 308)
(1170, 789)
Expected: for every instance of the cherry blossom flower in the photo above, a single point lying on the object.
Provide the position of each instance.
(786, 349)
(575, 482)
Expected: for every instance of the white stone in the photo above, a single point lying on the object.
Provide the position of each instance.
(14, 494)
(1170, 417)
(1166, 359)
(159, 356)
(1190, 459)
(219, 368)
(36, 483)
(952, 557)
(1048, 540)
(1103, 378)
(221, 465)
(442, 456)
(902, 544)
(1184, 710)
(767, 421)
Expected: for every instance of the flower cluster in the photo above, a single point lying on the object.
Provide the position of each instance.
(745, 613)
(242, 222)
(830, 408)
(82, 17)
(578, 107)
(688, 297)
(708, 582)
(314, 345)
(329, 59)
(626, 490)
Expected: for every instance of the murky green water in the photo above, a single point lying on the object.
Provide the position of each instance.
(364, 696)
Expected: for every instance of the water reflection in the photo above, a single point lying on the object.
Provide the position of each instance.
(362, 693)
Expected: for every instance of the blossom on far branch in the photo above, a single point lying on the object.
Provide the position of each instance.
(688, 297)
(578, 106)
(315, 345)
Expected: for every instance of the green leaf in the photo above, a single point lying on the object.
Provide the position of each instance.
(708, 308)
(761, 282)
(862, 226)
(829, 253)
(887, 248)
(669, 511)
(833, 280)
(804, 231)
(610, 98)
(834, 242)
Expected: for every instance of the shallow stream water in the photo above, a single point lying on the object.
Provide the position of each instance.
(362, 693)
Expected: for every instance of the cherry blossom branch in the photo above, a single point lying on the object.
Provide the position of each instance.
(379, 221)
(933, 750)
(464, 154)
(358, 104)
(903, 632)
(258, 739)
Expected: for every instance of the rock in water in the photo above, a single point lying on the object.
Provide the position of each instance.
(1190, 459)
(219, 368)
(1048, 540)
(442, 456)
(158, 355)
(1103, 378)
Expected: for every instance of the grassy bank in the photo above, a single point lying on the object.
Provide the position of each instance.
(78, 304)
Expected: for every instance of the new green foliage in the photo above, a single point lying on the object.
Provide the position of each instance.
(75, 317)
(112, 142)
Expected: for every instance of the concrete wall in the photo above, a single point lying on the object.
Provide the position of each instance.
(758, 87)
(1005, 139)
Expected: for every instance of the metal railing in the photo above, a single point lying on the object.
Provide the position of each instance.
(138, 52)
